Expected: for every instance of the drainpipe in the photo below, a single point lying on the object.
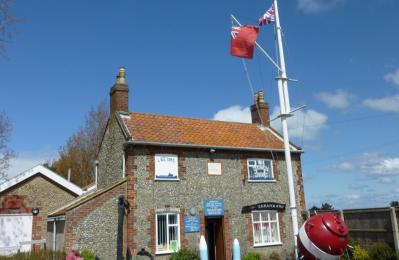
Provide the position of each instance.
(122, 205)
(96, 172)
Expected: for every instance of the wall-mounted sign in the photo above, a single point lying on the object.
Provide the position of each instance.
(214, 207)
(214, 168)
(263, 206)
(191, 224)
(166, 166)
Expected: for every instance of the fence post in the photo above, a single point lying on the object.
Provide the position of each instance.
(236, 250)
(203, 249)
(395, 229)
(341, 214)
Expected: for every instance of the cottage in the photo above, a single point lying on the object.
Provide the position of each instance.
(25, 202)
(182, 178)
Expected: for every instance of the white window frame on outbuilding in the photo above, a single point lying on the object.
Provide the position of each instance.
(258, 164)
(166, 167)
(265, 223)
(165, 230)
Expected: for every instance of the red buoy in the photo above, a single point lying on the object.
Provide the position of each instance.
(323, 236)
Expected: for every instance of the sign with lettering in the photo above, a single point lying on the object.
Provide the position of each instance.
(214, 207)
(263, 206)
(191, 224)
(166, 166)
(214, 168)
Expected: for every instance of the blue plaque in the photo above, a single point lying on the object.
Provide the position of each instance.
(191, 224)
(214, 207)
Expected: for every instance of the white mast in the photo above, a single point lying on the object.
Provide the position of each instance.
(285, 110)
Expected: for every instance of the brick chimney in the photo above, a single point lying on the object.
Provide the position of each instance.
(260, 110)
(119, 94)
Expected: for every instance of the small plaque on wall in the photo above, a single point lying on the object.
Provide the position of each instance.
(214, 168)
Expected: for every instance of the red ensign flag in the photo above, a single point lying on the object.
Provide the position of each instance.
(242, 41)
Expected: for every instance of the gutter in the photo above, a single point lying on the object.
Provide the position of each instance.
(231, 148)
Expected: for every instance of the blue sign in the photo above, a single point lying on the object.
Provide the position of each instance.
(191, 224)
(214, 207)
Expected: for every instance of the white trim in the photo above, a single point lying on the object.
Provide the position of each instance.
(293, 148)
(167, 213)
(269, 221)
(312, 248)
(40, 169)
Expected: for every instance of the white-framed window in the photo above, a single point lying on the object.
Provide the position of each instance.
(266, 229)
(167, 232)
(260, 170)
(166, 167)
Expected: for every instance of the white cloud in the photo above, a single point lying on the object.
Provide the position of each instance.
(386, 180)
(339, 99)
(393, 77)
(234, 114)
(317, 6)
(27, 160)
(387, 104)
(375, 165)
(353, 196)
(306, 125)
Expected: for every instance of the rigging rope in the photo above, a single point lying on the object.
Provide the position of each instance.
(251, 87)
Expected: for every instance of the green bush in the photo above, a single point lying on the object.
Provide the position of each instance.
(184, 254)
(359, 253)
(252, 256)
(381, 251)
(274, 256)
(88, 255)
(41, 255)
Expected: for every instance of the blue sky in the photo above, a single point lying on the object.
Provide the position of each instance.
(344, 52)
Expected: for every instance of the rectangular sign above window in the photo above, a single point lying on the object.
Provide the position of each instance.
(214, 168)
(213, 207)
(166, 167)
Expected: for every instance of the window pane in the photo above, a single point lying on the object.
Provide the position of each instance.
(257, 234)
(173, 233)
(256, 216)
(273, 216)
(274, 233)
(162, 234)
(266, 233)
(264, 216)
(172, 219)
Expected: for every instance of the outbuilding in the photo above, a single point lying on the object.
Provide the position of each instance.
(25, 202)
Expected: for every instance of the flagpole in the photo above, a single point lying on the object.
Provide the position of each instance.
(285, 110)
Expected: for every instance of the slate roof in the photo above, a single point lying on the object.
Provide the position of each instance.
(163, 129)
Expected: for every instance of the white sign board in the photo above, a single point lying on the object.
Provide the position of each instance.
(166, 166)
(214, 168)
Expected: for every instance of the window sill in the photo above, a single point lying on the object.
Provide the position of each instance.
(164, 253)
(266, 245)
(167, 180)
(266, 181)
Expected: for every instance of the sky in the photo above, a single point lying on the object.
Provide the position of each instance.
(66, 55)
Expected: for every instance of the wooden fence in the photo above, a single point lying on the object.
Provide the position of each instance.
(371, 225)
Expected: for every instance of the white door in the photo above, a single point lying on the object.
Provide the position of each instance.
(15, 228)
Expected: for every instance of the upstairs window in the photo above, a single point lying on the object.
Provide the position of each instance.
(265, 228)
(166, 167)
(167, 230)
(260, 170)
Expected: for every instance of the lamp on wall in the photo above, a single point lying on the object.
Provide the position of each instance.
(35, 211)
(212, 150)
